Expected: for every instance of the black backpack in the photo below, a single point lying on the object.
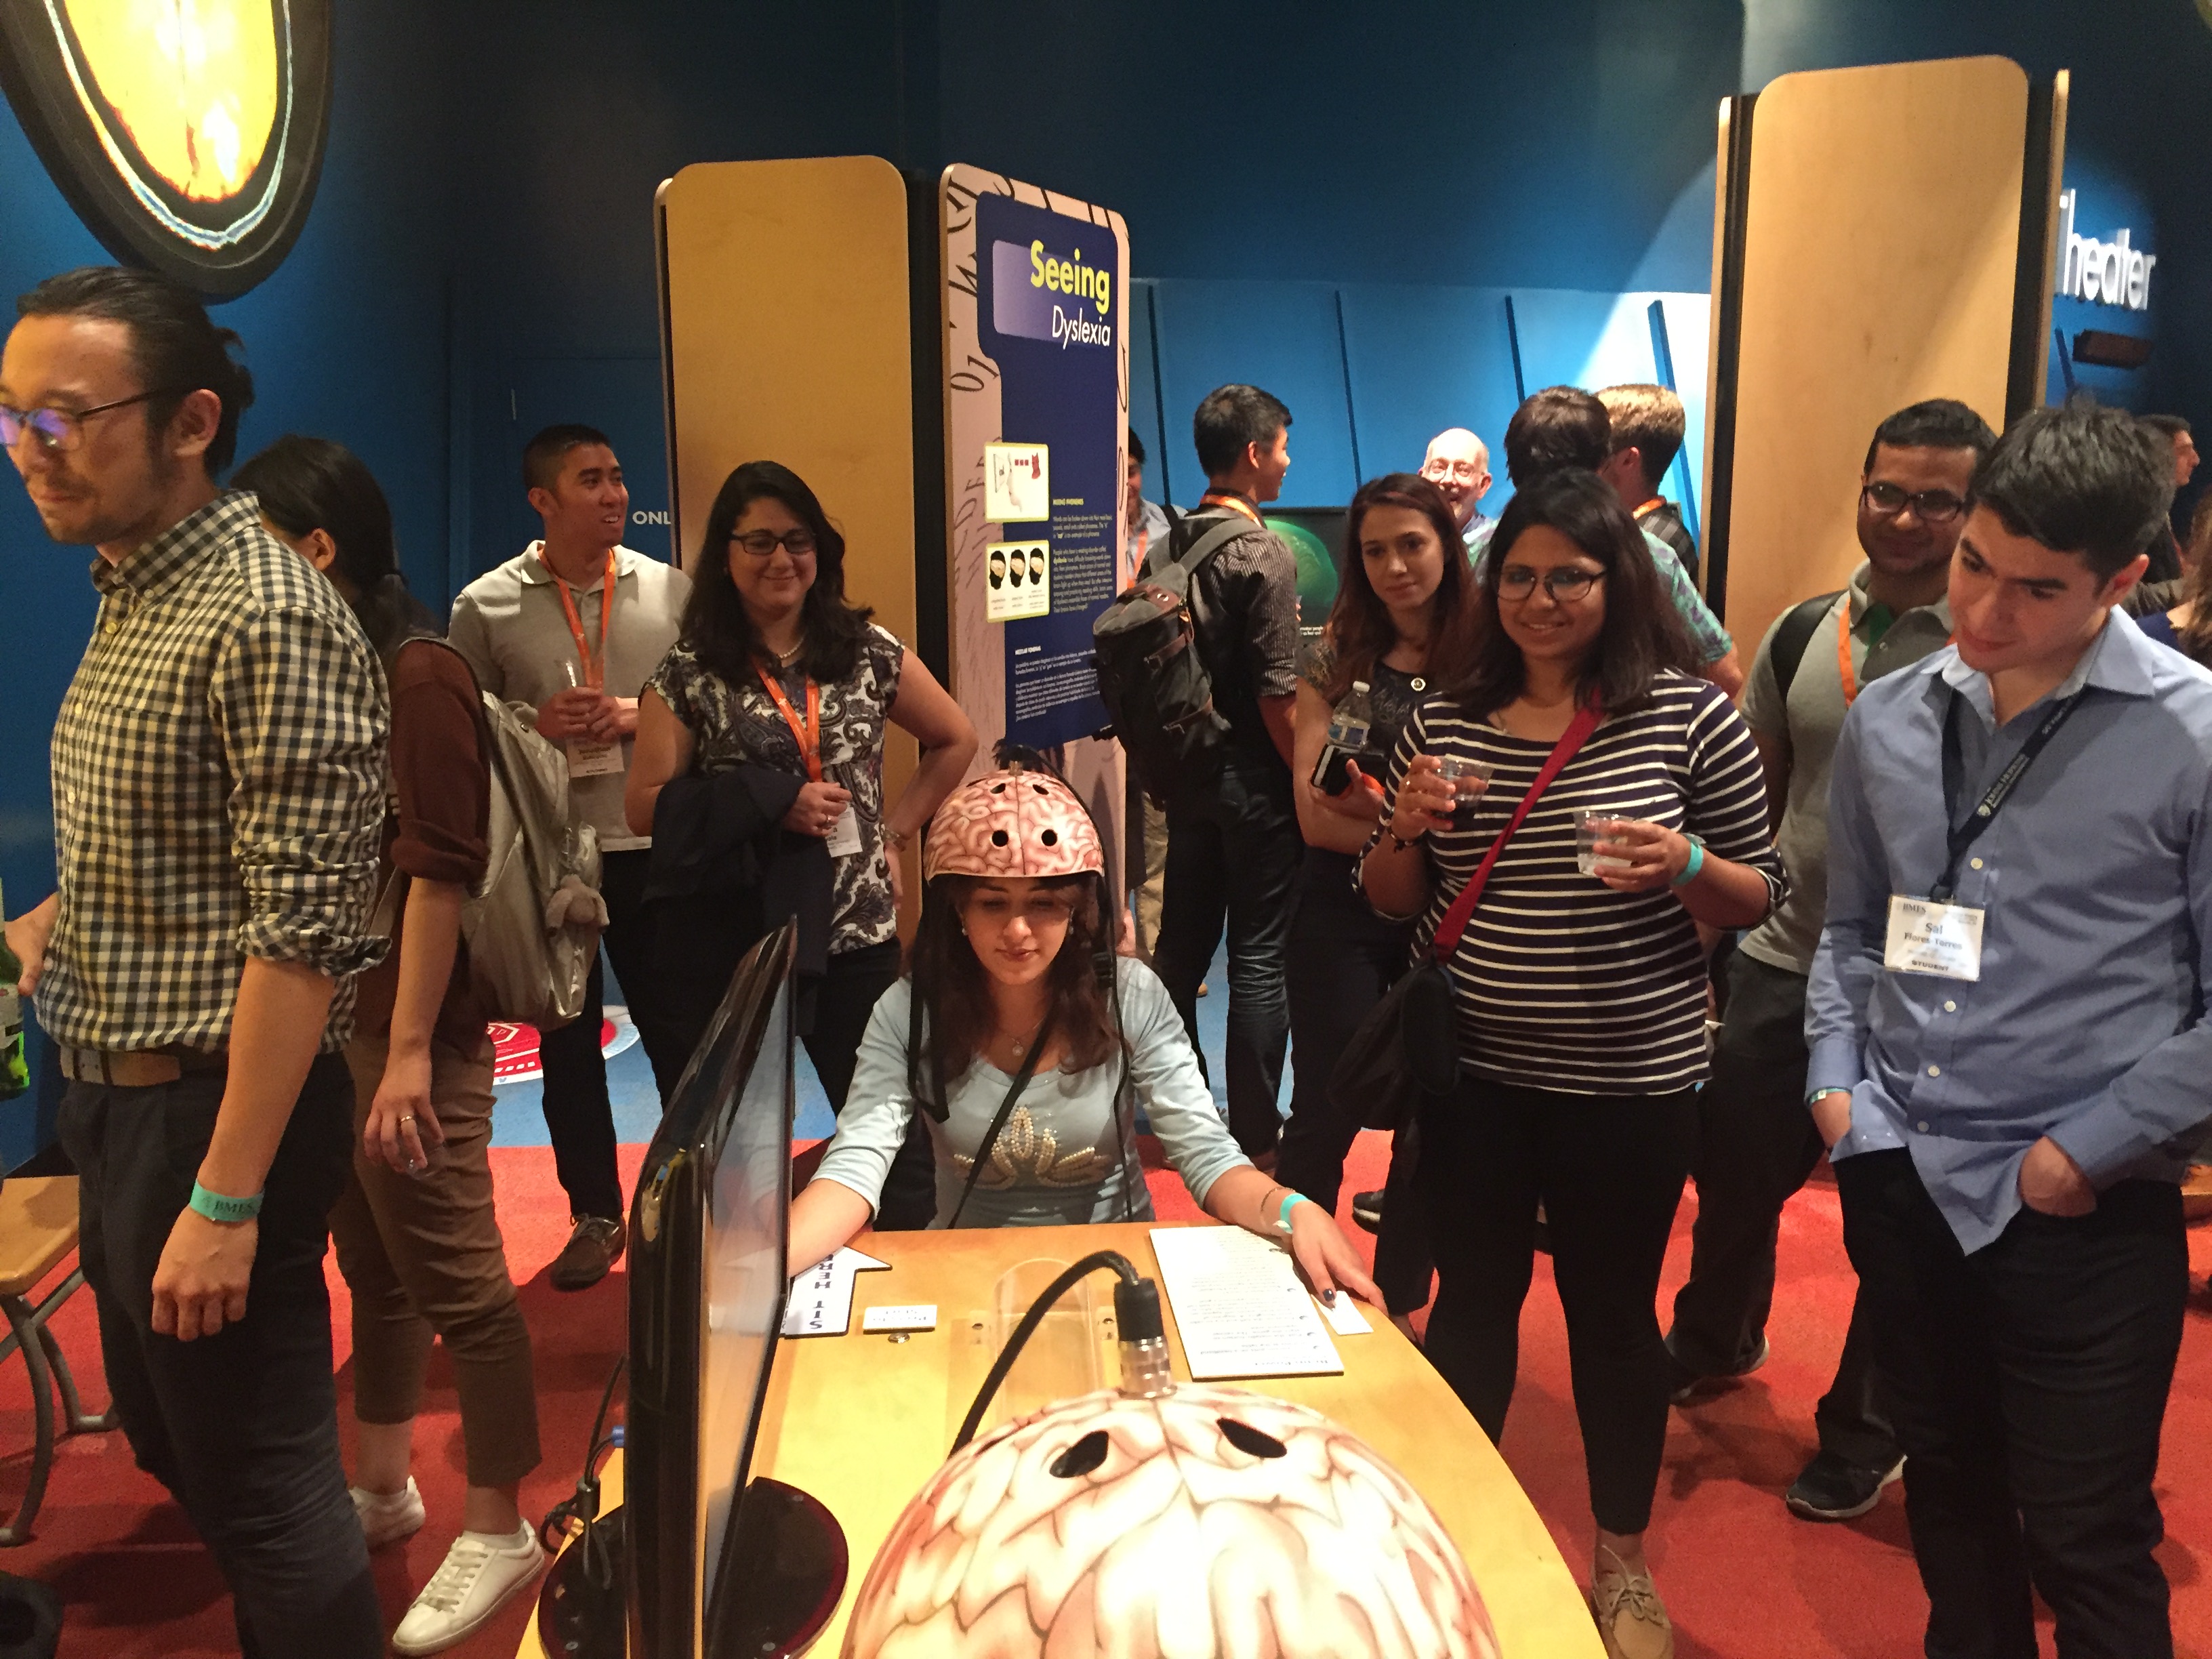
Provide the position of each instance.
(1151, 676)
(1795, 634)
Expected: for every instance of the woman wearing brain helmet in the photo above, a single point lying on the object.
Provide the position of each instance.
(1013, 978)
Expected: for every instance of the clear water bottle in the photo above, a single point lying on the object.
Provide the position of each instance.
(1351, 720)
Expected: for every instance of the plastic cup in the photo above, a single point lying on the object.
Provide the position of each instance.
(1468, 780)
(1592, 825)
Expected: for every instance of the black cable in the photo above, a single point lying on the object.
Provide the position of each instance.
(583, 1508)
(1090, 1264)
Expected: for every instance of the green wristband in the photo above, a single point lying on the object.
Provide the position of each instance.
(1291, 1202)
(215, 1208)
(1697, 863)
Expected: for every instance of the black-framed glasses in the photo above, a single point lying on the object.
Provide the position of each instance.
(1929, 506)
(58, 429)
(761, 542)
(1565, 583)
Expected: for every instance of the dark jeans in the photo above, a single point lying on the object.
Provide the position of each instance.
(843, 1000)
(2029, 1383)
(1608, 1171)
(242, 1426)
(1233, 854)
(1756, 1146)
(1343, 957)
(579, 1117)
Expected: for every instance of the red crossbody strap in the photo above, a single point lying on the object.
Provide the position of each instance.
(1450, 929)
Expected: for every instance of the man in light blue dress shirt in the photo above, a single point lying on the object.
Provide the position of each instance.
(2009, 1048)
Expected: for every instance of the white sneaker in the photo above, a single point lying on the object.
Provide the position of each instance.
(388, 1516)
(480, 1575)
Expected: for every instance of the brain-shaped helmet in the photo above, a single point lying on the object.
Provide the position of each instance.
(1012, 822)
(1206, 1522)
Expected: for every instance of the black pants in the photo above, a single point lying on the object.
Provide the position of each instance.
(1343, 957)
(2029, 1383)
(242, 1426)
(1233, 854)
(1608, 1171)
(843, 1000)
(1756, 1146)
(579, 1116)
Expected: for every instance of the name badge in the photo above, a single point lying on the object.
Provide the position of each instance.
(1928, 937)
(844, 836)
(594, 760)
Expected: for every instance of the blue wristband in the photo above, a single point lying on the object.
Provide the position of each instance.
(1697, 863)
(1291, 1202)
(216, 1207)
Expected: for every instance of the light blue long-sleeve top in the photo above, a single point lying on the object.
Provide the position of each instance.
(1059, 1159)
(2088, 1023)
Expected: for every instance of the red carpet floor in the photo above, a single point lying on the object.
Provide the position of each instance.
(1742, 1579)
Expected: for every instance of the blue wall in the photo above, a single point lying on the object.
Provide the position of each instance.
(1330, 199)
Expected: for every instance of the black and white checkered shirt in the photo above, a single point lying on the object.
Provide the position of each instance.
(219, 787)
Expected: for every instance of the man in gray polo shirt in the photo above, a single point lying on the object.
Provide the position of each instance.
(538, 630)
(1756, 1146)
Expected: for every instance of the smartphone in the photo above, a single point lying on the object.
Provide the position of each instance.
(1332, 773)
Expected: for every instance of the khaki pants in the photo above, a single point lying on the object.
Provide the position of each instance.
(423, 1256)
(1155, 874)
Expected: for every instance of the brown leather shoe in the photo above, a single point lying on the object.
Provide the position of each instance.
(595, 1246)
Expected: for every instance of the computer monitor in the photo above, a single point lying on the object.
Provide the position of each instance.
(719, 1563)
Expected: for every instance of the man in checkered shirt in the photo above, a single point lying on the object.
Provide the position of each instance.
(219, 784)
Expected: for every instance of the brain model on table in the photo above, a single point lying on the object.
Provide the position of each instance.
(1209, 1524)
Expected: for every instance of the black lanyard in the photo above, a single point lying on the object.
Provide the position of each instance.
(1964, 836)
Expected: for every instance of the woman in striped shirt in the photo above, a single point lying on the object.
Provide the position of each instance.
(1580, 997)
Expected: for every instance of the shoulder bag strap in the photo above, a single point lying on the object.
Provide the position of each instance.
(1454, 924)
(1005, 1110)
(1201, 549)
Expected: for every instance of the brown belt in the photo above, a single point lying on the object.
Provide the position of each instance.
(143, 1070)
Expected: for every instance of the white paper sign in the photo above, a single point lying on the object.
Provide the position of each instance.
(1017, 581)
(1016, 484)
(821, 1301)
(902, 1316)
(1928, 938)
(1239, 1306)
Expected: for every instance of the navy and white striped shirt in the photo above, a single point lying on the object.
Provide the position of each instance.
(1563, 983)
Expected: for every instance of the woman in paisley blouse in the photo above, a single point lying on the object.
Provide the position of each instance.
(1011, 962)
(779, 685)
(1405, 620)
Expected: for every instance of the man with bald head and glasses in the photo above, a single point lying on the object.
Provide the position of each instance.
(1458, 464)
(1756, 1144)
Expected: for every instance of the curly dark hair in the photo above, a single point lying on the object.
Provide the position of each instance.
(1643, 635)
(1360, 631)
(715, 625)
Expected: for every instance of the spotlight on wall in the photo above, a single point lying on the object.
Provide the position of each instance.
(2108, 350)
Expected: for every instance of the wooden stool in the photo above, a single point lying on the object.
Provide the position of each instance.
(37, 1229)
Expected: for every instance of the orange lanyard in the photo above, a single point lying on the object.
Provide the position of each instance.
(1650, 507)
(595, 674)
(809, 733)
(1844, 652)
(1234, 503)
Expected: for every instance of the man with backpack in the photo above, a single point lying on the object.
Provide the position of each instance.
(1756, 1144)
(572, 626)
(1223, 764)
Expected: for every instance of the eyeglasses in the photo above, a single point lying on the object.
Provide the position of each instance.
(59, 430)
(1929, 506)
(1464, 471)
(761, 542)
(1565, 583)
(1038, 909)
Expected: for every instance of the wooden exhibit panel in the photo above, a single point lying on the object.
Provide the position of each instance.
(862, 1421)
(786, 337)
(1881, 234)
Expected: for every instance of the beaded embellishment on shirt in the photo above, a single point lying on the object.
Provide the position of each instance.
(1026, 1155)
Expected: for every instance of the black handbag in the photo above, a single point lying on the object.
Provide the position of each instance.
(1407, 1048)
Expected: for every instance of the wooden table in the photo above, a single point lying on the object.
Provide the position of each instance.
(861, 1421)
